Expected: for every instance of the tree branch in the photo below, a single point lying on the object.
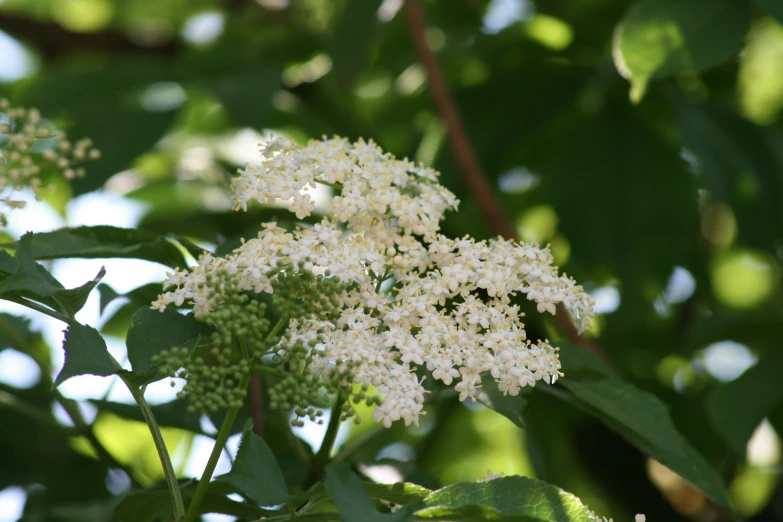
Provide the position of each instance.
(54, 41)
(468, 161)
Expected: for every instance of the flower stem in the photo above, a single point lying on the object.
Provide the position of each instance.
(321, 459)
(220, 442)
(160, 445)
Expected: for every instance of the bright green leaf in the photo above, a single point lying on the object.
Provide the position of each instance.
(400, 493)
(658, 38)
(85, 353)
(507, 498)
(644, 421)
(256, 472)
(737, 407)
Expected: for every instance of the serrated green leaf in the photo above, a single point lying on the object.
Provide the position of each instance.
(509, 499)
(643, 420)
(256, 472)
(738, 407)
(153, 331)
(111, 242)
(352, 500)
(85, 353)
(400, 493)
(73, 300)
(510, 406)
(657, 38)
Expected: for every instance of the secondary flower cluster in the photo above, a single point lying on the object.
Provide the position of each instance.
(31, 150)
(413, 299)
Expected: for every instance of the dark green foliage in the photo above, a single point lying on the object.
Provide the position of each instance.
(626, 188)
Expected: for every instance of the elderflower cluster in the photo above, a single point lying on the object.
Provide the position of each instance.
(31, 151)
(411, 298)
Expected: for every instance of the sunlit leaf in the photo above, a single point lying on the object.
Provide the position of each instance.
(509, 499)
(657, 38)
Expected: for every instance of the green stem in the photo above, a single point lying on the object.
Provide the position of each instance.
(321, 459)
(160, 445)
(223, 434)
(365, 438)
(220, 442)
(38, 308)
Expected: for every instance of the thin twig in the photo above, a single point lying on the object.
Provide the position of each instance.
(468, 161)
(257, 404)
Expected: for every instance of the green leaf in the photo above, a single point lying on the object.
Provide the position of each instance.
(85, 353)
(355, 30)
(111, 242)
(352, 500)
(256, 472)
(25, 275)
(510, 406)
(507, 498)
(658, 38)
(400, 493)
(737, 407)
(74, 299)
(643, 420)
(774, 8)
(153, 331)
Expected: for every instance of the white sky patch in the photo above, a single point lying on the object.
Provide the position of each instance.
(503, 13)
(12, 501)
(727, 360)
(203, 28)
(607, 299)
(16, 63)
(18, 369)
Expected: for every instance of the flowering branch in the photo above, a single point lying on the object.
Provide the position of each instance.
(468, 161)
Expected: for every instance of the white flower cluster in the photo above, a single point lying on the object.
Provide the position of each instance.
(415, 299)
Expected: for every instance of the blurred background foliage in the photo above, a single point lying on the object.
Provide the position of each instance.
(660, 187)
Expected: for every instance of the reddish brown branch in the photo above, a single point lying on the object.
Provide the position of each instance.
(468, 161)
(460, 145)
(257, 405)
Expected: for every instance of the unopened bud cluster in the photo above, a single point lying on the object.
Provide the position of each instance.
(212, 380)
(397, 300)
(31, 150)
